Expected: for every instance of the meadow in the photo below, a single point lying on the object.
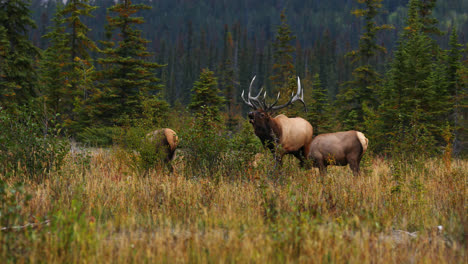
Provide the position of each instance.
(98, 208)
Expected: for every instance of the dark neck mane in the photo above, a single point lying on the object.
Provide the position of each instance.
(269, 134)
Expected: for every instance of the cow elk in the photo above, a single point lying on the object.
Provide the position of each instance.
(340, 148)
(281, 134)
(165, 141)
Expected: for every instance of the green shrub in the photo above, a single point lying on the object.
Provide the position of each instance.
(211, 151)
(29, 143)
(144, 154)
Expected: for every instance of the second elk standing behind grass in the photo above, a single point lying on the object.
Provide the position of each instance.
(165, 141)
(340, 148)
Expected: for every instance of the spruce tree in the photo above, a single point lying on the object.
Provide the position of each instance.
(227, 79)
(428, 22)
(18, 78)
(206, 101)
(362, 89)
(317, 106)
(456, 88)
(283, 78)
(127, 78)
(414, 98)
(53, 75)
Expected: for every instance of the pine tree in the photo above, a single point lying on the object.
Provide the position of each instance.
(284, 74)
(206, 101)
(127, 78)
(227, 79)
(80, 43)
(414, 98)
(429, 23)
(361, 90)
(317, 106)
(456, 88)
(18, 79)
(52, 74)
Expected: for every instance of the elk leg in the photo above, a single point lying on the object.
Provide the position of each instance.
(354, 165)
(300, 157)
(322, 167)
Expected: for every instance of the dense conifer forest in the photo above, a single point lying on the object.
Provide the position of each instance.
(98, 65)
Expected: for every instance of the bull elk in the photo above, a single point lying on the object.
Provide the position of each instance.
(165, 141)
(292, 135)
(340, 148)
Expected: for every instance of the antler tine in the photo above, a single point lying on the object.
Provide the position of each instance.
(245, 101)
(276, 101)
(301, 99)
(251, 101)
(299, 96)
(256, 99)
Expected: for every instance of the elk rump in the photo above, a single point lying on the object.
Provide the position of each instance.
(165, 141)
(340, 148)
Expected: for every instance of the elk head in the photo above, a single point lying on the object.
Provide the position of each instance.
(262, 110)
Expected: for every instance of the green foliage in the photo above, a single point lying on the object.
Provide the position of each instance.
(216, 153)
(284, 73)
(66, 67)
(53, 73)
(318, 107)
(18, 79)
(29, 143)
(414, 98)
(126, 75)
(206, 101)
(366, 80)
(227, 80)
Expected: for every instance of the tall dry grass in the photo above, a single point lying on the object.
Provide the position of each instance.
(102, 210)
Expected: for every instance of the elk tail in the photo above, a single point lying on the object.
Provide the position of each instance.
(364, 141)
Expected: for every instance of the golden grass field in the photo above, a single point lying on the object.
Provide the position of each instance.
(99, 209)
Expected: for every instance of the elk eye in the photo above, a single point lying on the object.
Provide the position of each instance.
(262, 114)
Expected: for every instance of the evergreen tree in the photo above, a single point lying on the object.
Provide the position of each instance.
(53, 76)
(317, 106)
(414, 98)
(18, 79)
(127, 78)
(361, 90)
(227, 79)
(428, 22)
(206, 101)
(456, 89)
(79, 41)
(283, 78)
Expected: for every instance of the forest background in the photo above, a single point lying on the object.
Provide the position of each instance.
(395, 70)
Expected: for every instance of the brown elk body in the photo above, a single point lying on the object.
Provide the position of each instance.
(340, 148)
(281, 134)
(165, 141)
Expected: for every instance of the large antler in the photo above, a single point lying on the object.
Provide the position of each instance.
(299, 96)
(259, 103)
(253, 102)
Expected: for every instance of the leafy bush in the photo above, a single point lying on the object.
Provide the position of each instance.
(144, 154)
(30, 143)
(213, 152)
